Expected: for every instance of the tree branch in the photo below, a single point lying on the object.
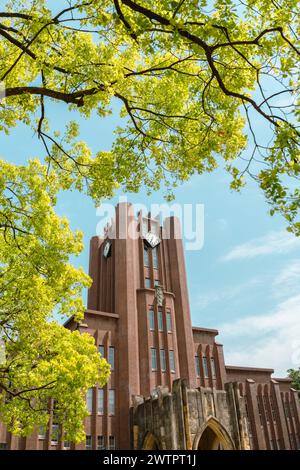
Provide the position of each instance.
(124, 21)
(74, 98)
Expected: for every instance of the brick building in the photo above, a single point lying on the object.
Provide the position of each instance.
(169, 386)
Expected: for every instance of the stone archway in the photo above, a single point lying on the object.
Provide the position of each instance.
(213, 436)
(150, 442)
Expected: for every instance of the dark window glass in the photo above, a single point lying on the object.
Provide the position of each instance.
(163, 360)
(146, 257)
(42, 432)
(100, 443)
(153, 359)
(100, 401)
(111, 443)
(111, 357)
(101, 350)
(111, 402)
(88, 442)
(148, 283)
(160, 320)
(205, 366)
(172, 361)
(155, 257)
(197, 364)
(169, 322)
(54, 433)
(151, 319)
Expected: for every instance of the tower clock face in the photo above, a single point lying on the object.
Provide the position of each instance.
(151, 239)
(107, 249)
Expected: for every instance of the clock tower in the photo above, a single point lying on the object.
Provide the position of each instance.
(151, 329)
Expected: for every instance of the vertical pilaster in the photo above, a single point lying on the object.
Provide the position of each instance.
(126, 283)
(92, 303)
(182, 308)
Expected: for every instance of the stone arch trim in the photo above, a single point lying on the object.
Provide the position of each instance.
(219, 430)
(150, 442)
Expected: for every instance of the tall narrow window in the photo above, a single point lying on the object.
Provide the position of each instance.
(111, 402)
(197, 365)
(148, 282)
(146, 257)
(273, 409)
(101, 350)
(155, 257)
(213, 368)
(169, 322)
(266, 408)
(151, 319)
(88, 442)
(42, 432)
(54, 433)
(160, 320)
(89, 400)
(100, 443)
(111, 357)
(205, 367)
(163, 360)
(259, 410)
(156, 282)
(3, 446)
(111, 443)
(153, 359)
(100, 406)
(172, 361)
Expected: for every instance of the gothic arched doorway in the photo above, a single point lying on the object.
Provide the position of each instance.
(209, 440)
(213, 436)
(150, 442)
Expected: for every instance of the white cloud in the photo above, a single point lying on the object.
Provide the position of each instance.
(226, 293)
(271, 340)
(288, 280)
(272, 243)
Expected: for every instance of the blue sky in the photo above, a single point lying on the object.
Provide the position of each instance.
(244, 281)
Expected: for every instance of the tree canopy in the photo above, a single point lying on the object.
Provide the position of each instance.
(41, 363)
(294, 374)
(194, 80)
(201, 83)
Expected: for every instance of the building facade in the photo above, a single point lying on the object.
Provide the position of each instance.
(169, 386)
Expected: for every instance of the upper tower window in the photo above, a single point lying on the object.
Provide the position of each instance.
(160, 320)
(213, 368)
(169, 322)
(146, 257)
(153, 359)
(155, 257)
(172, 361)
(205, 366)
(111, 357)
(197, 364)
(151, 319)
